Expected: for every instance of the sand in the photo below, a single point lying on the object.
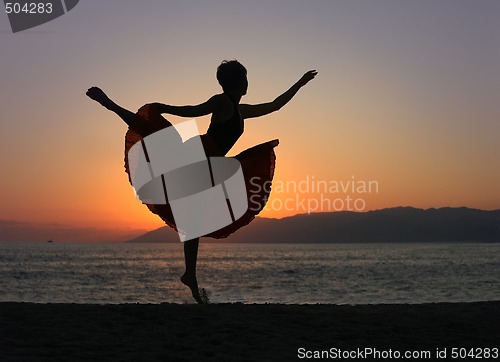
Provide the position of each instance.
(238, 332)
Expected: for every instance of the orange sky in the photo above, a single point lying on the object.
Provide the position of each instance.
(406, 96)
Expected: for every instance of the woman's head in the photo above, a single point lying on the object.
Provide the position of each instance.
(232, 76)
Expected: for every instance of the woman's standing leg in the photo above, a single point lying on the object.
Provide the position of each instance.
(189, 276)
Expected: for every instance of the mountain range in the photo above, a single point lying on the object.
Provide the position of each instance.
(399, 224)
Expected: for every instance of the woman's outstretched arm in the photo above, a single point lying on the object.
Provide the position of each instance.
(190, 111)
(258, 110)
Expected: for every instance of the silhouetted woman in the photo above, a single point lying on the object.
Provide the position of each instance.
(226, 127)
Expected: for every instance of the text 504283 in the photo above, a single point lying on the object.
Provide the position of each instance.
(28, 8)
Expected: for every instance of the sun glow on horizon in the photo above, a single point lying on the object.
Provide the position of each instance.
(406, 96)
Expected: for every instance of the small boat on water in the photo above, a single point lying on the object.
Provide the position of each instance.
(50, 241)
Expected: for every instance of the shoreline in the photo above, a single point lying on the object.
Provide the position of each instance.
(238, 332)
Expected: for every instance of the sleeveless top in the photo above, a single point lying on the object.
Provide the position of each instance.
(226, 133)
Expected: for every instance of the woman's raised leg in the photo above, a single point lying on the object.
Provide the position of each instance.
(100, 97)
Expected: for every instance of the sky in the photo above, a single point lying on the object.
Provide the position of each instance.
(406, 99)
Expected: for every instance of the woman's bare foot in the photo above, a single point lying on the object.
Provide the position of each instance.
(192, 284)
(99, 96)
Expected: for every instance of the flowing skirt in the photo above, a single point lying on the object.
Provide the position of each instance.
(257, 164)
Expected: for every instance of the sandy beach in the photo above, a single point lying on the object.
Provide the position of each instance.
(238, 332)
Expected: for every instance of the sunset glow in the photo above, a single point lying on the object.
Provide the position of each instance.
(406, 98)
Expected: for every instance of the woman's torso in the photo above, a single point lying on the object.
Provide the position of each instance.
(226, 133)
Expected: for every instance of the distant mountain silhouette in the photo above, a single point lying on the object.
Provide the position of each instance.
(400, 224)
(27, 231)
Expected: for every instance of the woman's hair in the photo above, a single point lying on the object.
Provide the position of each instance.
(230, 73)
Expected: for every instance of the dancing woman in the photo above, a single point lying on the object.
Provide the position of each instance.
(226, 127)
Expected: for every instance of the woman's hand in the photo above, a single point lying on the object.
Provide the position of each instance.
(307, 77)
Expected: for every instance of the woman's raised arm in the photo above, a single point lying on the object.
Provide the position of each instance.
(258, 110)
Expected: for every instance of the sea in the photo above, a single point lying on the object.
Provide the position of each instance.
(251, 273)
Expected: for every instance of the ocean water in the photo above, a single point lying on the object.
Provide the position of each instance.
(251, 273)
